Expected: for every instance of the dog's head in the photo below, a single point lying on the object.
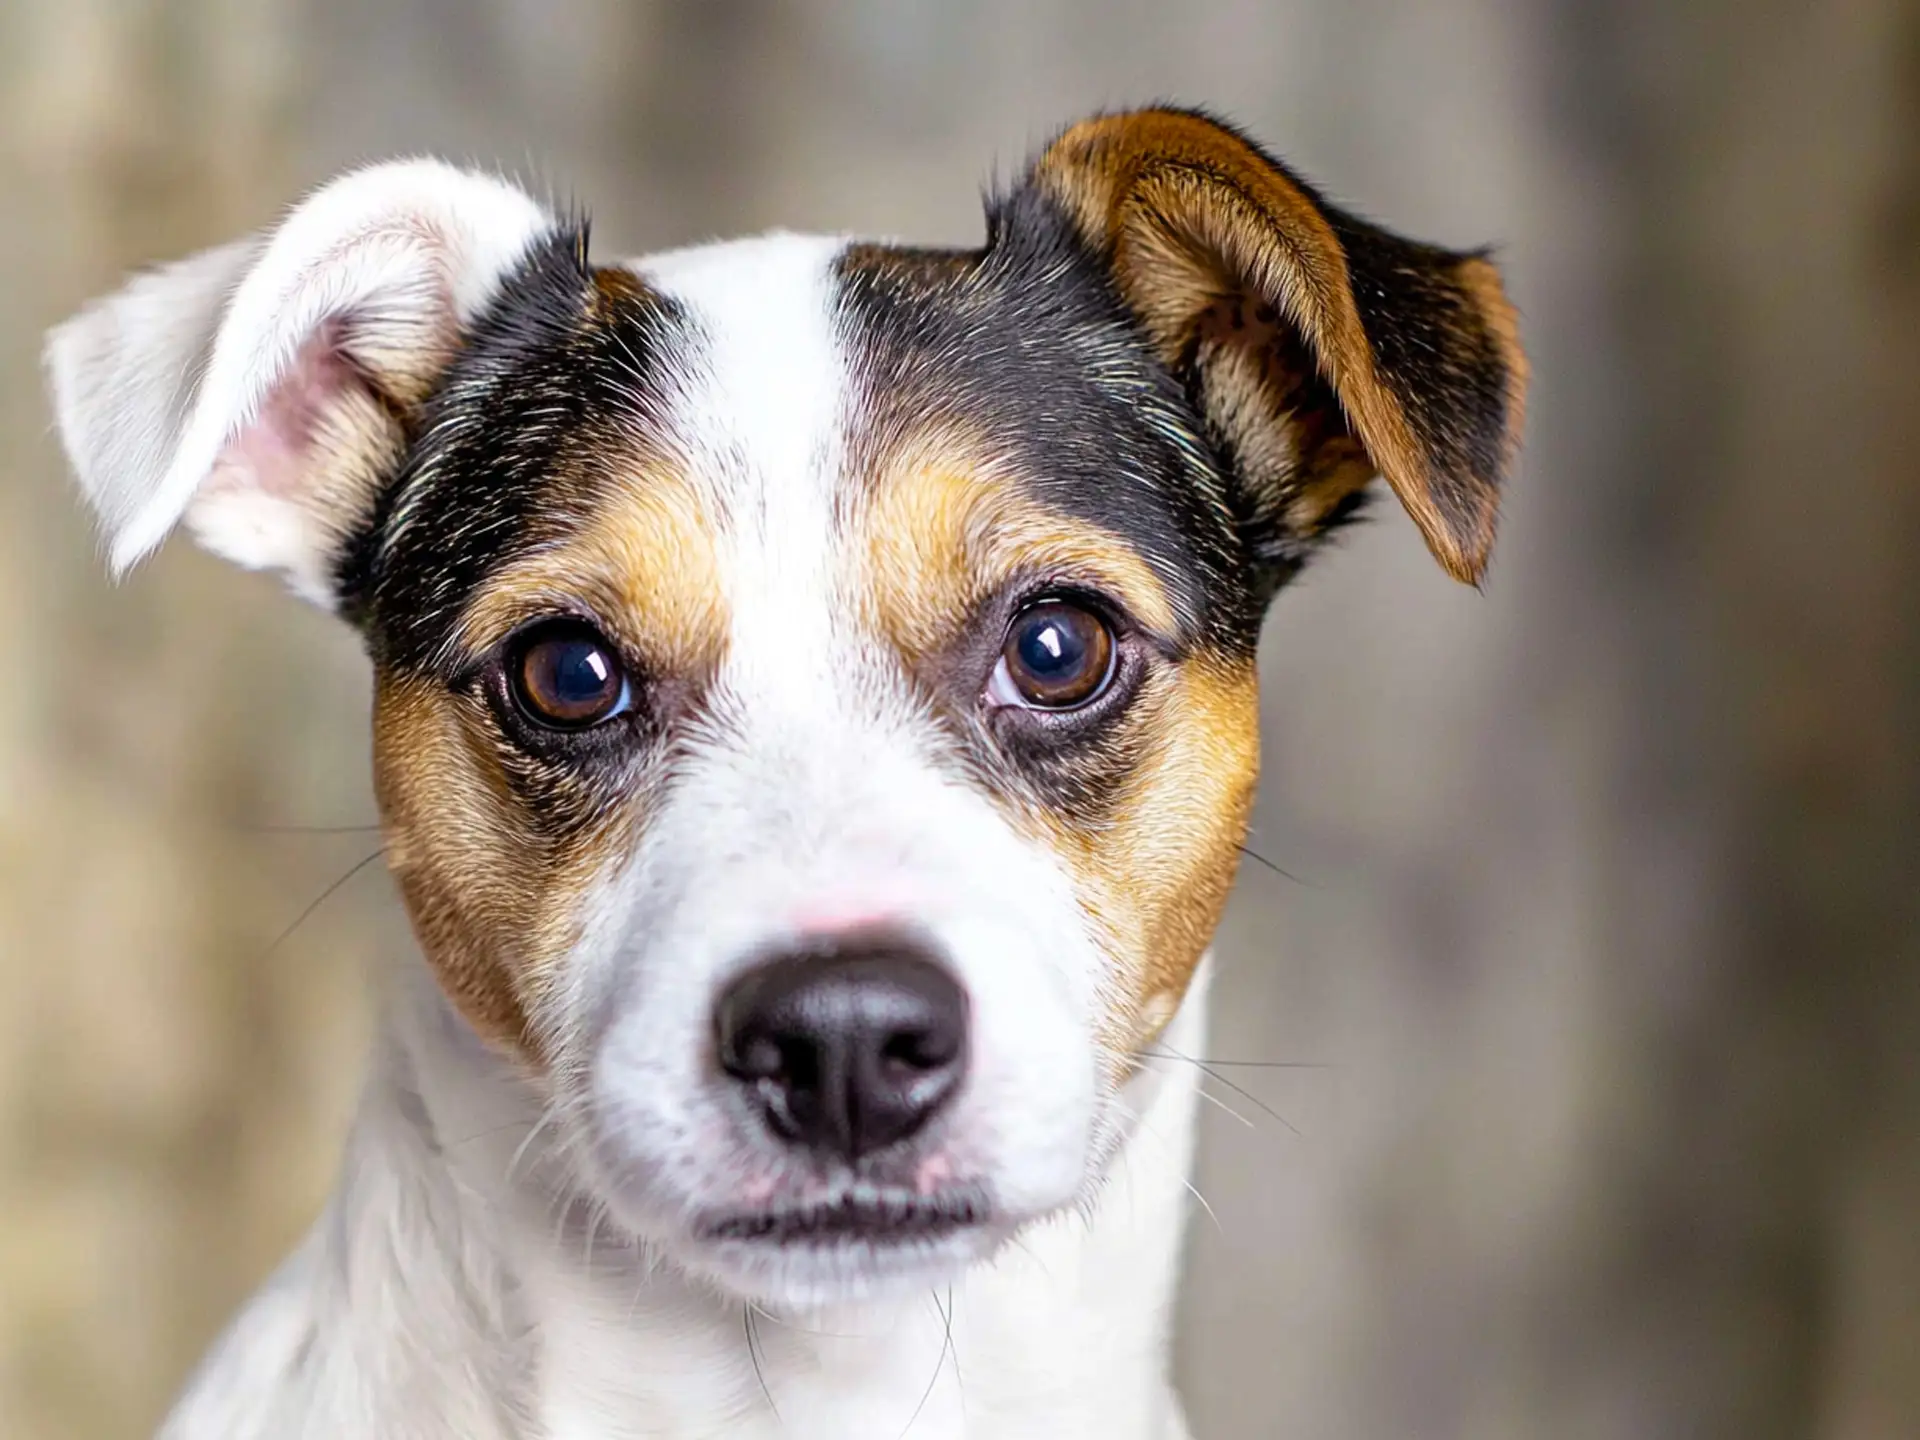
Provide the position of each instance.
(815, 715)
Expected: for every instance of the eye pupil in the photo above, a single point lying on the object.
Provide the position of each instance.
(1058, 656)
(569, 679)
(1048, 648)
(580, 673)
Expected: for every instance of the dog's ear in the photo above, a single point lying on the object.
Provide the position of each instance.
(264, 390)
(1319, 350)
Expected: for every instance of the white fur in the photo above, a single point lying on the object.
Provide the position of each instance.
(450, 1293)
(509, 1256)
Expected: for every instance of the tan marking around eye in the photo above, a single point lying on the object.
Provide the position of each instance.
(495, 900)
(1155, 872)
(646, 562)
(946, 525)
(495, 905)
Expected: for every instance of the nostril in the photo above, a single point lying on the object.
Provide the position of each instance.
(920, 1050)
(757, 1057)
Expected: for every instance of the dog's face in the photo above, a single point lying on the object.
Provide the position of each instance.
(815, 717)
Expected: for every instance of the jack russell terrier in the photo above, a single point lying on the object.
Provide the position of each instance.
(814, 730)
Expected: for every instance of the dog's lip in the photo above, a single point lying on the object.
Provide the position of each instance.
(872, 1215)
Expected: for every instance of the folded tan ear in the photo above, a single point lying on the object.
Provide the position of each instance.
(1320, 350)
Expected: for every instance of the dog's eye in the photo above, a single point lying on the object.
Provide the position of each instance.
(1057, 657)
(567, 677)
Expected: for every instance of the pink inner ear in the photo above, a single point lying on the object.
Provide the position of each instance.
(274, 454)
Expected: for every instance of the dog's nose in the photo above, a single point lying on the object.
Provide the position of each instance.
(846, 1050)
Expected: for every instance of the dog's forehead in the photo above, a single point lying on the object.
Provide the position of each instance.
(759, 396)
(748, 416)
(824, 369)
(756, 418)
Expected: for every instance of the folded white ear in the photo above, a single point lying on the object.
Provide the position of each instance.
(262, 390)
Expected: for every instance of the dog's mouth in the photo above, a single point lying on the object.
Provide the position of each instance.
(864, 1215)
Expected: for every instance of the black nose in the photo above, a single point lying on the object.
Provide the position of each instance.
(846, 1050)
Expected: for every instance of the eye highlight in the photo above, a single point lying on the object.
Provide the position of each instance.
(566, 676)
(1057, 656)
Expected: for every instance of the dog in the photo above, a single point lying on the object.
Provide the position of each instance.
(815, 727)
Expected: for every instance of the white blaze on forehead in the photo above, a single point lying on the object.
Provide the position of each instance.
(759, 419)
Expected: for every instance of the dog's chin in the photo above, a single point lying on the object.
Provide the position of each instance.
(869, 1243)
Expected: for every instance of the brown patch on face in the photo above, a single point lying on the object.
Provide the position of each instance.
(645, 562)
(1423, 356)
(494, 901)
(1155, 871)
(494, 888)
(945, 526)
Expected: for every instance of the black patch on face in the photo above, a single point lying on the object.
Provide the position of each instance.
(1026, 343)
(558, 371)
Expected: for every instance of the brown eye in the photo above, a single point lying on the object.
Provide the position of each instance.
(568, 677)
(1057, 657)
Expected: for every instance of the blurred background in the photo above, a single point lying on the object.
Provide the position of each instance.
(1589, 1094)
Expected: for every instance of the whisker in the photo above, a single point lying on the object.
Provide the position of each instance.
(1200, 1089)
(1213, 1099)
(477, 1136)
(1019, 1242)
(319, 900)
(1245, 1064)
(1205, 1204)
(1239, 1090)
(959, 1384)
(596, 1212)
(549, 1115)
(939, 1364)
(648, 1262)
(1142, 1127)
(1259, 859)
(753, 1353)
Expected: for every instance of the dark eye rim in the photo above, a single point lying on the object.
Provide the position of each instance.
(503, 681)
(1029, 735)
(1100, 615)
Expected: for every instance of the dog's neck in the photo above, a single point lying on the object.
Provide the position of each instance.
(455, 1289)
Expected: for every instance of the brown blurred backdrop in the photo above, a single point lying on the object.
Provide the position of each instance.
(1601, 964)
